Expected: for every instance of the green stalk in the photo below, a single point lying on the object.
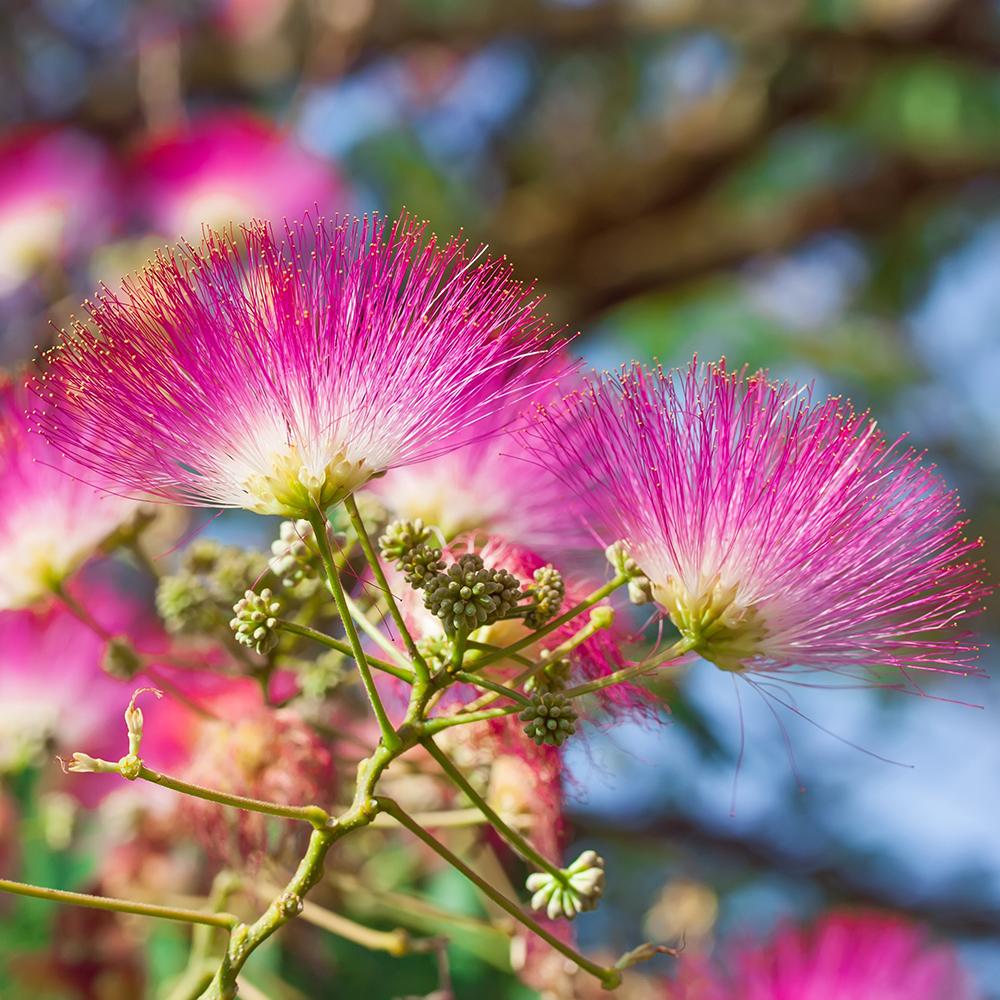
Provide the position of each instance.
(677, 650)
(420, 665)
(610, 978)
(498, 690)
(318, 522)
(434, 726)
(227, 920)
(403, 673)
(533, 637)
(520, 843)
(315, 815)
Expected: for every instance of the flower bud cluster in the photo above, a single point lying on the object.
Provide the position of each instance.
(406, 544)
(196, 599)
(640, 589)
(577, 888)
(255, 622)
(548, 591)
(551, 718)
(294, 554)
(467, 595)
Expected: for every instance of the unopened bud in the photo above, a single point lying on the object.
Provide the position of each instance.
(134, 720)
(575, 890)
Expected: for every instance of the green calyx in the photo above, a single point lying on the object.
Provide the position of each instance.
(406, 544)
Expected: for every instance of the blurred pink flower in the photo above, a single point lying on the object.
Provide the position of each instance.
(50, 521)
(283, 378)
(777, 533)
(226, 168)
(492, 487)
(57, 199)
(845, 956)
(54, 693)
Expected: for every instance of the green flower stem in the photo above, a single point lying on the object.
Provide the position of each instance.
(677, 650)
(458, 650)
(434, 726)
(588, 602)
(419, 663)
(553, 656)
(485, 647)
(395, 942)
(403, 673)
(439, 820)
(80, 612)
(521, 844)
(227, 920)
(318, 522)
(288, 904)
(498, 690)
(315, 815)
(374, 632)
(609, 977)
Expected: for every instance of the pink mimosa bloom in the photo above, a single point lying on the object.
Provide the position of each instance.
(226, 167)
(845, 956)
(282, 377)
(777, 532)
(56, 199)
(50, 521)
(491, 487)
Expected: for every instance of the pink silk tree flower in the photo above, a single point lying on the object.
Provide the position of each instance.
(776, 532)
(845, 956)
(490, 488)
(56, 200)
(50, 521)
(282, 375)
(225, 167)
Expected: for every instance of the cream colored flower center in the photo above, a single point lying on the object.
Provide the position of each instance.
(293, 487)
(723, 630)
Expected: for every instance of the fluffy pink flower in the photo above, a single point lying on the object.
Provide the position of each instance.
(846, 956)
(56, 199)
(776, 532)
(50, 521)
(227, 167)
(491, 487)
(284, 377)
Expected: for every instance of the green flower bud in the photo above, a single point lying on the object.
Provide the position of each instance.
(120, 659)
(548, 590)
(402, 537)
(294, 554)
(185, 604)
(551, 719)
(578, 888)
(256, 621)
(467, 596)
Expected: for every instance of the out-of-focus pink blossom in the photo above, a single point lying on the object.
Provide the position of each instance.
(845, 956)
(227, 167)
(57, 199)
(50, 521)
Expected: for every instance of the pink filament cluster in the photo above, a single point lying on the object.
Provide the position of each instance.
(50, 521)
(348, 340)
(849, 549)
(845, 956)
